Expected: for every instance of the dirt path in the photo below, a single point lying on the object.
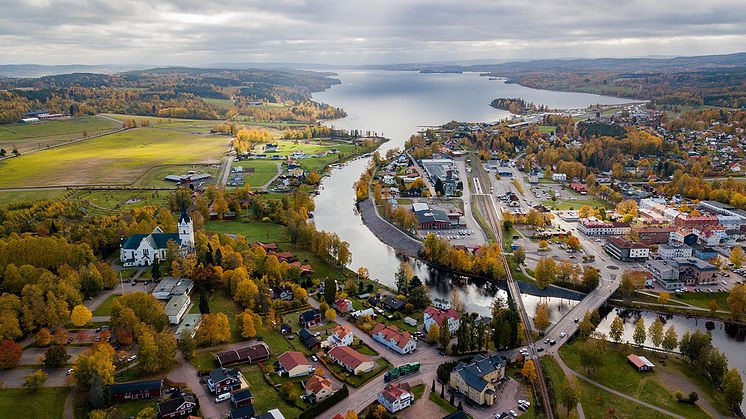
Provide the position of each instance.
(676, 382)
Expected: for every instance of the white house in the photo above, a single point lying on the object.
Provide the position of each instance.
(436, 316)
(559, 177)
(395, 397)
(144, 249)
(341, 336)
(401, 342)
(295, 364)
(441, 304)
(176, 307)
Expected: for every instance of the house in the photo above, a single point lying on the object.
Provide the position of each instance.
(401, 342)
(441, 304)
(341, 336)
(351, 360)
(169, 287)
(640, 363)
(136, 391)
(309, 318)
(666, 251)
(223, 380)
(255, 353)
(593, 227)
(436, 316)
(393, 304)
(410, 321)
(431, 218)
(245, 412)
(282, 292)
(360, 313)
(579, 188)
(477, 379)
(286, 329)
(395, 397)
(559, 177)
(143, 249)
(177, 407)
(272, 414)
(703, 252)
(317, 388)
(342, 305)
(626, 250)
(294, 364)
(654, 235)
(176, 308)
(308, 339)
(241, 398)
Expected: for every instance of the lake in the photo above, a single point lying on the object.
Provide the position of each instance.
(395, 104)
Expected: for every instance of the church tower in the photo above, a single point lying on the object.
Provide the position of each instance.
(186, 231)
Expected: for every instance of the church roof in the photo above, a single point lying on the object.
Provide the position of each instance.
(159, 240)
(184, 217)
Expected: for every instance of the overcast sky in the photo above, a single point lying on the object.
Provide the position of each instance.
(361, 32)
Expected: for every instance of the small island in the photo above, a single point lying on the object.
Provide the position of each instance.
(517, 106)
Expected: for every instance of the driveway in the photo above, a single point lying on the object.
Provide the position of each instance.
(14, 378)
(187, 374)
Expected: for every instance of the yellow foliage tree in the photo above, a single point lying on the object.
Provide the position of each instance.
(80, 315)
(529, 370)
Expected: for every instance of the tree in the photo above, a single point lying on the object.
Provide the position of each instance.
(543, 244)
(43, 338)
(403, 276)
(147, 413)
(591, 278)
(313, 178)
(592, 353)
(656, 332)
(215, 329)
(716, 365)
(545, 272)
(712, 305)
(99, 360)
(573, 243)
(35, 380)
(330, 290)
(56, 356)
(587, 325)
(616, 330)
(148, 354)
(204, 303)
(663, 297)
(541, 318)
(529, 370)
(434, 333)
(10, 354)
(330, 314)
(670, 340)
(737, 301)
(445, 334)
(519, 256)
(570, 392)
(631, 281)
(249, 323)
(736, 257)
(733, 388)
(156, 269)
(80, 315)
(97, 393)
(187, 345)
(639, 334)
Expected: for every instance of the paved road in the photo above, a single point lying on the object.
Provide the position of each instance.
(186, 373)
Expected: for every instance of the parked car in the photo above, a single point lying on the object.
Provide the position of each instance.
(563, 334)
(69, 371)
(223, 397)
(314, 359)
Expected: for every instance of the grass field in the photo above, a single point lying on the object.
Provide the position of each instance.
(27, 137)
(443, 403)
(252, 230)
(117, 159)
(105, 308)
(221, 302)
(258, 172)
(702, 299)
(28, 196)
(220, 104)
(266, 397)
(155, 176)
(46, 402)
(114, 199)
(547, 128)
(616, 373)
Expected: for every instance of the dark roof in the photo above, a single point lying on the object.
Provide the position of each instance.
(393, 303)
(135, 386)
(243, 412)
(220, 374)
(472, 373)
(184, 216)
(161, 240)
(309, 315)
(308, 338)
(253, 353)
(459, 414)
(240, 395)
(133, 241)
(171, 405)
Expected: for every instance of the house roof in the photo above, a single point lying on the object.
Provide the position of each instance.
(172, 405)
(317, 383)
(341, 331)
(290, 360)
(392, 332)
(243, 412)
(135, 386)
(348, 356)
(438, 315)
(220, 374)
(640, 361)
(240, 395)
(394, 303)
(308, 316)
(473, 373)
(251, 353)
(394, 392)
(159, 240)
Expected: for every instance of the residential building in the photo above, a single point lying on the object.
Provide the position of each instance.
(666, 251)
(436, 316)
(177, 407)
(665, 273)
(683, 236)
(309, 318)
(241, 398)
(188, 326)
(592, 227)
(136, 390)
(317, 388)
(626, 250)
(309, 340)
(695, 221)
(271, 414)
(654, 235)
(143, 249)
(342, 305)
(367, 312)
(286, 329)
(441, 304)
(341, 336)
(176, 307)
(351, 360)
(223, 380)
(169, 287)
(695, 271)
(246, 412)
(393, 304)
(250, 354)
(399, 341)
(395, 397)
(477, 380)
(295, 364)
(559, 177)
(703, 252)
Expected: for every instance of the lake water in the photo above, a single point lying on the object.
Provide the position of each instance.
(395, 104)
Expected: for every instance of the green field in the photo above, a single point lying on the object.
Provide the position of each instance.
(155, 177)
(220, 104)
(47, 402)
(117, 159)
(7, 197)
(107, 200)
(221, 302)
(702, 299)
(266, 397)
(104, 309)
(27, 137)
(252, 230)
(258, 172)
(546, 129)
(616, 373)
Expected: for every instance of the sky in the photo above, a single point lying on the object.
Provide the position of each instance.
(193, 32)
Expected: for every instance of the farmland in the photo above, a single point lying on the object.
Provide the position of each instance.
(116, 159)
(28, 137)
(258, 172)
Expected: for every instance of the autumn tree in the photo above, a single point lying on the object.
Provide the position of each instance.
(99, 360)
(670, 339)
(56, 356)
(736, 256)
(592, 352)
(403, 276)
(215, 329)
(529, 371)
(545, 272)
(573, 243)
(541, 318)
(591, 278)
(570, 392)
(10, 354)
(663, 297)
(632, 280)
(733, 388)
(444, 334)
(330, 314)
(639, 335)
(80, 315)
(712, 305)
(43, 338)
(616, 330)
(656, 332)
(35, 380)
(737, 301)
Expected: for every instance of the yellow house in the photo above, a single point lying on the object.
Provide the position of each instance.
(478, 379)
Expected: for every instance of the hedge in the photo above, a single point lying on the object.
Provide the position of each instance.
(320, 407)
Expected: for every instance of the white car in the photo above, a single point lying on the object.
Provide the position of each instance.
(132, 358)
(563, 334)
(223, 397)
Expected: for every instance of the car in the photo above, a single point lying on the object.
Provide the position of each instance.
(513, 413)
(314, 359)
(317, 334)
(122, 358)
(522, 407)
(69, 371)
(69, 340)
(146, 283)
(442, 353)
(132, 358)
(223, 397)
(552, 342)
(98, 329)
(540, 349)
(133, 283)
(98, 338)
(576, 320)
(546, 341)
(563, 334)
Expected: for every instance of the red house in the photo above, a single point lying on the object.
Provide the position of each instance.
(136, 391)
(178, 407)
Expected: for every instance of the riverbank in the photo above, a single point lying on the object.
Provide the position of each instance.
(386, 232)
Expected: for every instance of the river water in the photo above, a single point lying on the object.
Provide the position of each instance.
(396, 104)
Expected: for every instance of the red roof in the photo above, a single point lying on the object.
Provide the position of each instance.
(348, 356)
(317, 383)
(392, 333)
(393, 392)
(290, 360)
(438, 315)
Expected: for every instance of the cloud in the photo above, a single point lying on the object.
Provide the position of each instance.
(354, 32)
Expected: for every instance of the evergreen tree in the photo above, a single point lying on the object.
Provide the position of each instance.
(204, 304)
(96, 398)
(156, 269)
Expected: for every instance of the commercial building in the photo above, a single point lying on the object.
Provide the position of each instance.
(654, 235)
(176, 307)
(673, 274)
(477, 380)
(170, 286)
(666, 251)
(592, 227)
(665, 273)
(626, 250)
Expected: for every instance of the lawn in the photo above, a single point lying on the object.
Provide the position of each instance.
(27, 137)
(46, 402)
(597, 403)
(220, 104)
(116, 159)
(258, 172)
(357, 380)
(546, 129)
(702, 299)
(418, 391)
(29, 196)
(106, 200)
(155, 176)
(105, 308)
(133, 407)
(266, 397)
(203, 361)
(252, 230)
(278, 345)
(616, 373)
(221, 302)
(443, 403)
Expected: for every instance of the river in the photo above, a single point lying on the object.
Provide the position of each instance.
(396, 104)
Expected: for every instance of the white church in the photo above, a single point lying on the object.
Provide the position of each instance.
(143, 249)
